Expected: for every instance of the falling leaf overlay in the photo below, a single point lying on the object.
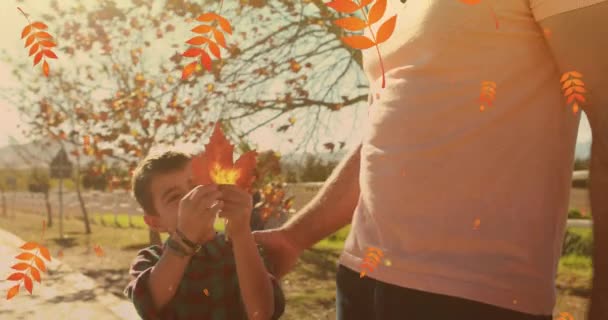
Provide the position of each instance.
(39, 42)
(28, 271)
(565, 316)
(371, 260)
(476, 224)
(204, 34)
(574, 89)
(376, 13)
(215, 163)
(206, 292)
(475, 2)
(487, 95)
(98, 250)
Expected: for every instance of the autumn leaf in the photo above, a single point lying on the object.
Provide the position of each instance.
(386, 30)
(487, 95)
(25, 256)
(344, 6)
(27, 281)
(358, 42)
(12, 292)
(376, 12)
(215, 163)
(574, 89)
(21, 266)
(214, 48)
(208, 17)
(98, 251)
(35, 274)
(29, 246)
(371, 260)
(188, 70)
(45, 253)
(16, 276)
(351, 23)
(40, 264)
(40, 42)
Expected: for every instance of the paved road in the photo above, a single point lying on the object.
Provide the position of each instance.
(64, 294)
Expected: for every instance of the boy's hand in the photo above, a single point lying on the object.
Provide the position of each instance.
(237, 209)
(196, 215)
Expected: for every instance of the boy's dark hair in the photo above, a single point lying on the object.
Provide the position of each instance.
(151, 166)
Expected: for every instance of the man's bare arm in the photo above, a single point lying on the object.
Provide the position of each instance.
(578, 42)
(332, 208)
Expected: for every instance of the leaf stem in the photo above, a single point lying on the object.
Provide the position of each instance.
(375, 43)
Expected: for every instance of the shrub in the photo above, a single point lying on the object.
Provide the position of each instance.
(578, 241)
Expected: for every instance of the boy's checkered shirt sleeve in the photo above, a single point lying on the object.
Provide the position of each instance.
(137, 290)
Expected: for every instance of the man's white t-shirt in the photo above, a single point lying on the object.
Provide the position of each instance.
(464, 202)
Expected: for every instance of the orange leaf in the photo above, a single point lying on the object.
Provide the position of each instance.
(25, 256)
(98, 250)
(34, 49)
(219, 38)
(29, 246)
(350, 23)
(43, 34)
(192, 52)
(45, 253)
(49, 54)
(39, 25)
(26, 31)
(576, 74)
(16, 276)
(376, 12)
(344, 6)
(35, 274)
(29, 40)
(246, 166)
(206, 60)
(365, 2)
(40, 264)
(579, 89)
(358, 42)
(202, 29)
(12, 292)
(28, 283)
(215, 50)
(47, 43)
(210, 16)
(565, 76)
(188, 69)
(386, 30)
(38, 58)
(569, 91)
(21, 266)
(197, 41)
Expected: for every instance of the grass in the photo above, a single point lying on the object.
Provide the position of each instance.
(310, 288)
(137, 221)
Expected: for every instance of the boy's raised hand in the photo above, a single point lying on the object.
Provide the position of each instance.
(237, 207)
(196, 215)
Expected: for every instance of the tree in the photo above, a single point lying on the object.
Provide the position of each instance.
(123, 96)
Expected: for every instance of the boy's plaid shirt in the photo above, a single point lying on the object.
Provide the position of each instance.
(212, 268)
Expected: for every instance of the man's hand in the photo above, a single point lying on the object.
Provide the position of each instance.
(281, 252)
(237, 209)
(196, 215)
(578, 42)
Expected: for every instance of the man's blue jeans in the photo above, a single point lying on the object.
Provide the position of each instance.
(369, 299)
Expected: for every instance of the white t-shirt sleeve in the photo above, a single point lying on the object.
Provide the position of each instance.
(546, 8)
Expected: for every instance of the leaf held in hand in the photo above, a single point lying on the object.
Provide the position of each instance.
(216, 165)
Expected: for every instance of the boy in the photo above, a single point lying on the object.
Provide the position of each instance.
(197, 274)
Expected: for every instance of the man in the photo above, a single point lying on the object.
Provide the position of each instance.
(468, 202)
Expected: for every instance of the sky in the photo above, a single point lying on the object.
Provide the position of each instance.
(345, 126)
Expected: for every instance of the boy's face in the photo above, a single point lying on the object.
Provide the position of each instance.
(167, 190)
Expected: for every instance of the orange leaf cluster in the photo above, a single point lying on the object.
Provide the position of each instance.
(565, 316)
(476, 224)
(40, 43)
(371, 260)
(195, 51)
(356, 24)
(474, 2)
(98, 250)
(574, 89)
(215, 164)
(273, 201)
(28, 271)
(487, 95)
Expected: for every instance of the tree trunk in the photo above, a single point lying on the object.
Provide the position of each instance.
(83, 207)
(49, 213)
(155, 238)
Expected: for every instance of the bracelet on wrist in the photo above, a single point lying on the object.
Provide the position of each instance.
(185, 239)
(179, 248)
